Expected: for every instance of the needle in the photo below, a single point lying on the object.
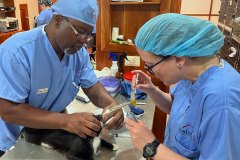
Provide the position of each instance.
(136, 80)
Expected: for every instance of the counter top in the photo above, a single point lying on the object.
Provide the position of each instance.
(25, 150)
(6, 35)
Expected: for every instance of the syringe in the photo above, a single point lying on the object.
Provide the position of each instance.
(133, 102)
(114, 108)
(133, 92)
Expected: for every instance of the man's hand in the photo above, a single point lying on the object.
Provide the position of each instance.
(101, 98)
(115, 119)
(83, 124)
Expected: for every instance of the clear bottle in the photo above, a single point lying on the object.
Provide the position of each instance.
(114, 67)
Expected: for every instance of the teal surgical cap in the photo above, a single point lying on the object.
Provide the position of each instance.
(179, 35)
(85, 11)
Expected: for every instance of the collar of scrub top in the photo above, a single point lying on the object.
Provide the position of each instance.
(43, 31)
(63, 61)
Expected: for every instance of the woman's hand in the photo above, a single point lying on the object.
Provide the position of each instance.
(144, 81)
(140, 133)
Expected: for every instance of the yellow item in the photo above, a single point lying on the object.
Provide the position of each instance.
(132, 99)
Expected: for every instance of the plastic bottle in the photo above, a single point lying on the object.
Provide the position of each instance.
(114, 67)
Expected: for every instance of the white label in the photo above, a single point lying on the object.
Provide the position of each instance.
(41, 91)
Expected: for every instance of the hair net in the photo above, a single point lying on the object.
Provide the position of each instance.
(82, 10)
(45, 2)
(179, 35)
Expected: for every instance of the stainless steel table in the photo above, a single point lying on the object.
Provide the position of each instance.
(28, 151)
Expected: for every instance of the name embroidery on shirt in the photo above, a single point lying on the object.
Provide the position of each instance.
(41, 91)
(186, 130)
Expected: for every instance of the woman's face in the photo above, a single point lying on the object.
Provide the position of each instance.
(167, 70)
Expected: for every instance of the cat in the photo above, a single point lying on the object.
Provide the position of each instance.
(73, 146)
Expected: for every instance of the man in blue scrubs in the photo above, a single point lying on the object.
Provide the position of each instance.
(204, 103)
(46, 14)
(41, 71)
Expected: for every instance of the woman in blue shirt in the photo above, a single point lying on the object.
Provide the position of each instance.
(46, 14)
(204, 104)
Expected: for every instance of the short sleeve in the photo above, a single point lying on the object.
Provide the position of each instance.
(88, 77)
(219, 134)
(40, 19)
(14, 76)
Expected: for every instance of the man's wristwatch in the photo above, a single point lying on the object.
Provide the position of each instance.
(150, 149)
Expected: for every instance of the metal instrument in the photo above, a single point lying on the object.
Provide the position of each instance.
(114, 108)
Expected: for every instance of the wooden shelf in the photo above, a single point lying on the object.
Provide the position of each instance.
(3, 11)
(134, 3)
(121, 47)
(125, 16)
(7, 10)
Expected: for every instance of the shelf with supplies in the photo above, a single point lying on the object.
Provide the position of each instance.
(127, 17)
(122, 17)
(3, 11)
(8, 21)
(8, 9)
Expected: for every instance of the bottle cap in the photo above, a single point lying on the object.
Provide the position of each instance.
(113, 56)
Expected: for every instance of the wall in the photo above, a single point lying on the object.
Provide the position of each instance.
(32, 11)
(204, 9)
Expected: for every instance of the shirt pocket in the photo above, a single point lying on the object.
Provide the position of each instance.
(180, 146)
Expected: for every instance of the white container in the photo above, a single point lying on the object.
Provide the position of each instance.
(115, 33)
(114, 68)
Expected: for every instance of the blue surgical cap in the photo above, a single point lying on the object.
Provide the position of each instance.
(85, 11)
(179, 35)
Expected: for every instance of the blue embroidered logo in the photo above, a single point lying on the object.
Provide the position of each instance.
(186, 130)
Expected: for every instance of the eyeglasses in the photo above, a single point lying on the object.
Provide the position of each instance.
(80, 36)
(149, 68)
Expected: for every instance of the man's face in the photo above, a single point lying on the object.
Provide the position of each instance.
(73, 35)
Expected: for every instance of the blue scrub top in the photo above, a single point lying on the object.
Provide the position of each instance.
(44, 17)
(204, 122)
(31, 72)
